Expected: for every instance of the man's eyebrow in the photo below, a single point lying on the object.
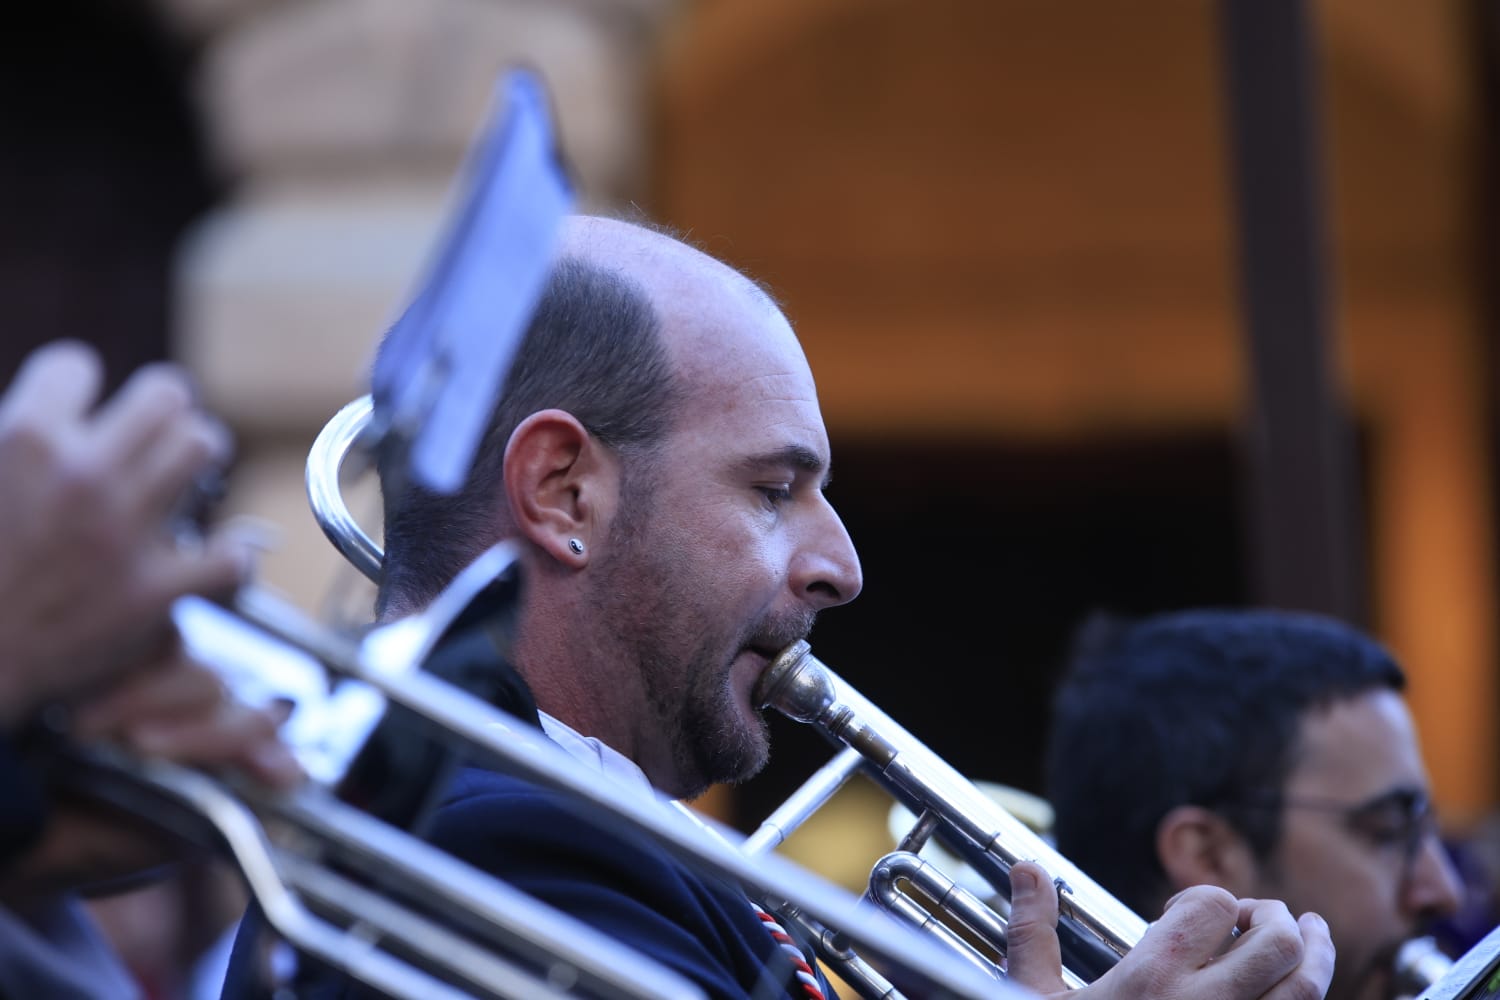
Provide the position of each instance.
(799, 457)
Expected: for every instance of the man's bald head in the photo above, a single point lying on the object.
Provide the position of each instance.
(618, 340)
(698, 300)
(662, 263)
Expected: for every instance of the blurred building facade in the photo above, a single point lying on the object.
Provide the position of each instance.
(1003, 230)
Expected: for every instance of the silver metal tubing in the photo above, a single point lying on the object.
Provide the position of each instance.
(1419, 964)
(1095, 929)
(334, 446)
(1474, 976)
(948, 897)
(380, 931)
(804, 802)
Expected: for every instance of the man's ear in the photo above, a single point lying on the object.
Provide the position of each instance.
(561, 483)
(1197, 846)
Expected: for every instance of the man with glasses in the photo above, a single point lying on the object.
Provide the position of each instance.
(1266, 752)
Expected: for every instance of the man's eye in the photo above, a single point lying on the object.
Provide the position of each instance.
(775, 495)
(1385, 835)
(1386, 831)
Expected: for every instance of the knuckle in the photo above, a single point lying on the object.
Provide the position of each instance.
(1284, 946)
(1023, 929)
(1210, 902)
(261, 725)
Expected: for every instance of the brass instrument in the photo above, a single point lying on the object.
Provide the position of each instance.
(1095, 930)
(1419, 964)
(1475, 975)
(349, 889)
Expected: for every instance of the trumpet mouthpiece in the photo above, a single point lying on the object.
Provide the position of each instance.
(795, 684)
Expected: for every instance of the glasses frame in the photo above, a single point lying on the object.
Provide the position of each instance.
(1418, 816)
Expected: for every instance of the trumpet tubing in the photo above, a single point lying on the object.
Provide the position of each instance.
(1094, 928)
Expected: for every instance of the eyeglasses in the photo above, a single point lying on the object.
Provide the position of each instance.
(1400, 819)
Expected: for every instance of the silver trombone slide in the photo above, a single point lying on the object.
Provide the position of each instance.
(388, 659)
(344, 886)
(508, 946)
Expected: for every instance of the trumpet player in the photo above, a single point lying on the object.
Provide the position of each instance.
(88, 573)
(660, 456)
(1266, 752)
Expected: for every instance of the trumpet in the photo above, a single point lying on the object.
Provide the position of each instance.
(1095, 930)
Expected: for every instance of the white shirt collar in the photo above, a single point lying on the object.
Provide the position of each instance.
(620, 769)
(598, 756)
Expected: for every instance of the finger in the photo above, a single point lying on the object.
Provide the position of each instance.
(1033, 955)
(130, 422)
(169, 687)
(214, 570)
(1270, 948)
(57, 383)
(163, 475)
(1318, 958)
(1195, 924)
(1310, 979)
(236, 737)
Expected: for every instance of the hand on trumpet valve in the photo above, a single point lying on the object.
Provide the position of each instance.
(1183, 955)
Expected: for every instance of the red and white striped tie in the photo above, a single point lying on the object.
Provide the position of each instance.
(806, 977)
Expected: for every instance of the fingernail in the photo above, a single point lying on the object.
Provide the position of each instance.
(1023, 880)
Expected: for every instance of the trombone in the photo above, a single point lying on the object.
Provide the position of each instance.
(351, 889)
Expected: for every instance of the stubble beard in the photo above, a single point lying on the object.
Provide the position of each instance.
(685, 658)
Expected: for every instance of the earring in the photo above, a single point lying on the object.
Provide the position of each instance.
(575, 546)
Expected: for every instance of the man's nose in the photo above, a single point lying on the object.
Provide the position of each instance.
(1432, 886)
(826, 571)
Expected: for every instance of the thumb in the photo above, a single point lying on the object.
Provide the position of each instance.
(1033, 956)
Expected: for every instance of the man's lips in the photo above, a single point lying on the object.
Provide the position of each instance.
(749, 679)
